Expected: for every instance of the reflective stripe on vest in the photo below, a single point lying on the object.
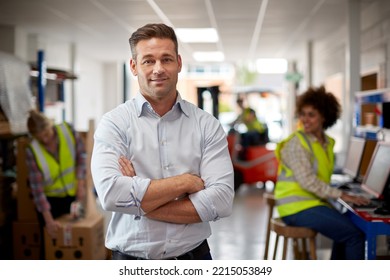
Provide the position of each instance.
(43, 163)
(69, 139)
(59, 176)
(290, 197)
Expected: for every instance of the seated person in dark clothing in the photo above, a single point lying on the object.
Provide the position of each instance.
(257, 132)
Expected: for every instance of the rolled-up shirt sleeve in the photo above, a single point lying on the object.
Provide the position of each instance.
(216, 170)
(116, 192)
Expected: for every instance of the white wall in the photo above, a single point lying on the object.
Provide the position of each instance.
(89, 92)
(329, 54)
(97, 89)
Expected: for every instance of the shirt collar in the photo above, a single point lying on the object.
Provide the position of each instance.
(141, 103)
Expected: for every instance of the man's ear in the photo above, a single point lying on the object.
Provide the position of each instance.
(133, 67)
(179, 61)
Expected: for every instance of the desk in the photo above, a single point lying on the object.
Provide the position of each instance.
(372, 225)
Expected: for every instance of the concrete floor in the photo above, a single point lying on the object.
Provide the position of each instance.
(242, 235)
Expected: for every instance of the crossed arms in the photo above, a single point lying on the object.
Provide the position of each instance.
(167, 199)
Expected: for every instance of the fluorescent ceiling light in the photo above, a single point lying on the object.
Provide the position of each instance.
(197, 35)
(271, 65)
(209, 56)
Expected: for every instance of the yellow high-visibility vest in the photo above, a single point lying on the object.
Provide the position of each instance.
(291, 197)
(59, 176)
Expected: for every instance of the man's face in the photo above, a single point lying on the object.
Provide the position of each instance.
(157, 67)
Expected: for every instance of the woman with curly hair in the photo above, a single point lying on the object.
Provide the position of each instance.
(306, 162)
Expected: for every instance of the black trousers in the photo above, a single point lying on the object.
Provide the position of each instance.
(202, 252)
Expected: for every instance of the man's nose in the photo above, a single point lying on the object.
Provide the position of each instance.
(158, 68)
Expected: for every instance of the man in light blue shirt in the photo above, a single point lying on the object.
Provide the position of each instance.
(159, 163)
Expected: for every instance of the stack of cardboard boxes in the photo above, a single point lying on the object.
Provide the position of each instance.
(78, 238)
(26, 234)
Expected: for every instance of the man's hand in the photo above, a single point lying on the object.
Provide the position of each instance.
(163, 191)
(126, 167)
(191, 183)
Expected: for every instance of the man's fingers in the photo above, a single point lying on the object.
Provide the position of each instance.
(126, 167)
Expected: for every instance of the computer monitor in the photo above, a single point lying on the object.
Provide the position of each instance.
(369, 148)
(354, 155)
(378, 170)
(385, 208)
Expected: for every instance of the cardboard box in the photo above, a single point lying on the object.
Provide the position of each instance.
(369, 114)
(5, 128)
(26, 241)
(77, 240)
(90, 207)
(26, 210)
(25, 203)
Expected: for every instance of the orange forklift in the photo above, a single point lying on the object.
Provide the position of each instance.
(252, 165)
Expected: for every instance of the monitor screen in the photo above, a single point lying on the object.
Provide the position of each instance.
(354, 154)
(378, 170)
(369, 148)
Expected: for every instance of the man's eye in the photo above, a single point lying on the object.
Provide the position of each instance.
(147, 62)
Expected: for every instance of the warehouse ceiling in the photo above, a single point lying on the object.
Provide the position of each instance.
(248, 29)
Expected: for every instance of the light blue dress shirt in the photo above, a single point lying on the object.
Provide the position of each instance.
(184, 140)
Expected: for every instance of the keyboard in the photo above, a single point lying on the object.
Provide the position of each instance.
(344, 187)
(374, 203)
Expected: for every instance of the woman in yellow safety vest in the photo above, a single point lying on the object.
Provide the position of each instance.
(306, 162)
(56, 166)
